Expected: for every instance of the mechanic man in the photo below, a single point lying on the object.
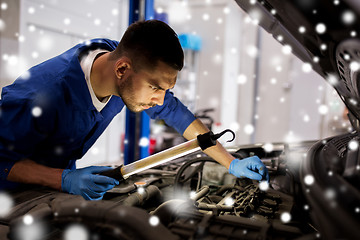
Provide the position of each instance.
(52, 115)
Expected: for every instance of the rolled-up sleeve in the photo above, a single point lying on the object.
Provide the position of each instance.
(173, 112)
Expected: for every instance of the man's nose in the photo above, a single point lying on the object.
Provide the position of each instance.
(158, 98)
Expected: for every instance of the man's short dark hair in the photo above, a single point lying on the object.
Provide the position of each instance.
(147, 42)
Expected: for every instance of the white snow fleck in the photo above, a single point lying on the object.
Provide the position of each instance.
(115, 12)
(141, 190)
(306, 67)
(309, 179)
(252, 51)
(268, 147)
(286, 49)
(6, 204)
(323, 46)
(323, 109)
(154, 221)
(273, 81)
(285, 217)
(206, 17)
(4, 6)
(316, 59)
(353, 145)
(67, 21)
(353, 33)
(357, 210)
(306, 207)
(263, 185)
(320, 28)
(36, 111)
(219, 21)
(330, 194)
(229, 201)
(76, 232)
(354, 66)
(242, 79)
(144, 142)
(306, 118)
(28, 219)
(280, 38)
(31, 10)
(348, 17)
(332, 79)
(97, 21)
(302, 29)
(273, 11)
(249, 129)
(226, 10)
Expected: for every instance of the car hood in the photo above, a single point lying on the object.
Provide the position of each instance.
(323, 33)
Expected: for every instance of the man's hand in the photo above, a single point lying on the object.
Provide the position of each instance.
(247, 167)
(86, 183)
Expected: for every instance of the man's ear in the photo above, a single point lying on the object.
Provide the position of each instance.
(121, 66)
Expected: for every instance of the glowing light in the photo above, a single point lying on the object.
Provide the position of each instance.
(6, 204)
(21, 38)
(268, 147)
(323, 46)
(67, 21)
(31, 28)
(154, 221)
(357, 209)
(28, 219)
(242, 79)
(353, 145)
(348, 17)
(249, 129)
(302, 29)
(285, 217)
(95, 151)
(286, 49)
(306, 118)
(4, 6)
(306, 67)
(354, 66)
(323, 109)
(115, 12)
(144, 142)
(352, 33)
(330, 194)
(263, 185)
(306, 207)
(141, 190)
(252, 51)
(273, 11)
(31, 10)
(205, 17)
(97, 21)
(336, 2)
(36, 111)
(309, 180)
(229, 201)
(77, 232)
(320, 28)
(235, 126)
(34, 55)
(332, 79)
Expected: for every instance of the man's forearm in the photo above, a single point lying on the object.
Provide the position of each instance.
(217, 152)
(30, 172)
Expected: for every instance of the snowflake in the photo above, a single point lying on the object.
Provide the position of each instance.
(320, 28)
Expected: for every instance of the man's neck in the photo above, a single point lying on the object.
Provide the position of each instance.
(99, 78)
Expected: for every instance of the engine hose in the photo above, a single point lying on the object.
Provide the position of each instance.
(182, 169)
(139, 198)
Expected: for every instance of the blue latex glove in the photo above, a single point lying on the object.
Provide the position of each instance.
(247, 167)
(86, 183)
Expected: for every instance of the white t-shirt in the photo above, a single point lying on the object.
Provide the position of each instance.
(86, 63)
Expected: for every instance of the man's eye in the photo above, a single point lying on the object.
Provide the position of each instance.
(153, 88)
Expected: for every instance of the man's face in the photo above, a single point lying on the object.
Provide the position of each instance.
(146, 88)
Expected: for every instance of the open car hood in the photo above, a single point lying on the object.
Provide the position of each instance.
(329, 39)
